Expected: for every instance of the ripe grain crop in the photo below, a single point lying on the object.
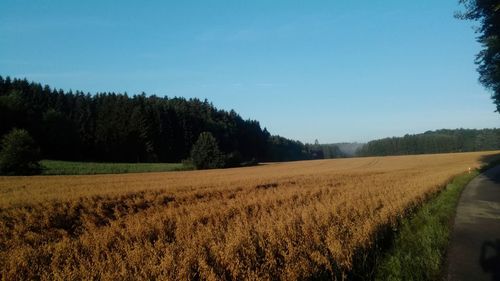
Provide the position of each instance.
(285, 221)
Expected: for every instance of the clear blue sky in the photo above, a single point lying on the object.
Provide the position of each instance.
(328, 70)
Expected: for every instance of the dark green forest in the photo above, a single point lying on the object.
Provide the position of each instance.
(439, 141)
(115, 127)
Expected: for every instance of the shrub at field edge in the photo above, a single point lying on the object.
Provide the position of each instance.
(19, 155)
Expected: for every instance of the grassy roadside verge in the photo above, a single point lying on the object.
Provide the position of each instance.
(53, 167)
(419, 247)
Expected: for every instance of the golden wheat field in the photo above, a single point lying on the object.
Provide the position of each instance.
(287, 221)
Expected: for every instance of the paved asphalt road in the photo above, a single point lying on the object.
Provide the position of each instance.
(474, 252)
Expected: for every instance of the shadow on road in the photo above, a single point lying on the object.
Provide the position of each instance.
(489, 162)
(490, 258)
(490, 250)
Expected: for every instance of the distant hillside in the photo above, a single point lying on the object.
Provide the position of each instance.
(439, 141)
(349, 149)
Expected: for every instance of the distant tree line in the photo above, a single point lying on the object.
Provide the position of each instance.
(116, 127)
(439, 141)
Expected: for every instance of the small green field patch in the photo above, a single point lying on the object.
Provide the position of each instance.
(55, 167)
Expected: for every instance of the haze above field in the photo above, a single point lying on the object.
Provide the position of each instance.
(332, 71)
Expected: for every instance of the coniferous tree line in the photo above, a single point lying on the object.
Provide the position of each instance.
(116, 127)
(439, 141)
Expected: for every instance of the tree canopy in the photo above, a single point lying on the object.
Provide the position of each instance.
(116, 127)
(487, 13)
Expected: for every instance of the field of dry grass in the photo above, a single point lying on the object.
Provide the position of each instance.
(284, 221)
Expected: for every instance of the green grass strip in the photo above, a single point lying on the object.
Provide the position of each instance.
(419, 248)
(53, 167)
